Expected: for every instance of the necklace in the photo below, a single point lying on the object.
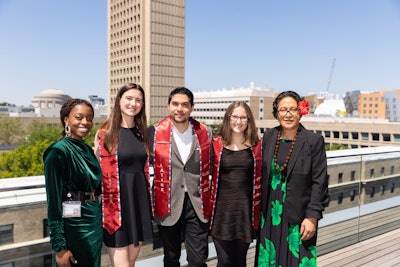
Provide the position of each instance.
(278, 141)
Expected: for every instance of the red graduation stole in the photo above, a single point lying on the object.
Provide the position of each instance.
(162, 166)
(257, 156)
(111, 202)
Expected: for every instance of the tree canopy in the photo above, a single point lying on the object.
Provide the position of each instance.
(11, 131)
(27, 158)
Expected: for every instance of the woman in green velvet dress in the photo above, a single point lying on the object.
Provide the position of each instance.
(73, 184)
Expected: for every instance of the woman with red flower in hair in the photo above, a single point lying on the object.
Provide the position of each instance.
(294, 187)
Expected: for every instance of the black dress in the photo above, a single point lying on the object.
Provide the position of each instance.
(135, 202)
(232, 219)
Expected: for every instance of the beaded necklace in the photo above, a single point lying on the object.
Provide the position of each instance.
(278, 141)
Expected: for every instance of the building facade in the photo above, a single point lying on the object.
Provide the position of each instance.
(372, 105)
(350, 132)
(392, 100)
(210, 107)
(362, 176)
(50, 99)
(146, 45)
(48, 103)
(351, 103)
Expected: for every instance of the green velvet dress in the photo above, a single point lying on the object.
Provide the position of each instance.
(70, 165)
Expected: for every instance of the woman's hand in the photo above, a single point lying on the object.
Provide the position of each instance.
(64, 258)
(308, 228)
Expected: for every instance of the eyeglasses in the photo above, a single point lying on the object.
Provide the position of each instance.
(292, 111)
(235, 118)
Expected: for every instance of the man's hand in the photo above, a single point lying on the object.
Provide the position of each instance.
(308, 228)
(64, 258)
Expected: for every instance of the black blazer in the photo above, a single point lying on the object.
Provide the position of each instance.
(307, 178)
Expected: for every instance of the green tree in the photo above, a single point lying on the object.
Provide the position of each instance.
(11, 131)
(214, 128)
(336, 147)
(38, 130)
(4, 104)
(27, 159)
(90, 138)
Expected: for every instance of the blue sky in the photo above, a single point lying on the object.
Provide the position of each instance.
(286, 45)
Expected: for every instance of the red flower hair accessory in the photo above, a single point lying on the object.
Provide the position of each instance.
(304, 107)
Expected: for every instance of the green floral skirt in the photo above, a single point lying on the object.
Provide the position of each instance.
(279, 242)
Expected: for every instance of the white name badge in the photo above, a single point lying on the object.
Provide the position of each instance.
(71, 209)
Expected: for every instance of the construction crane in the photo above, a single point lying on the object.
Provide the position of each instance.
(330, 74)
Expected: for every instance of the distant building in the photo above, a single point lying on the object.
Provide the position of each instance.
(99, 106)
(392, 100)
(351, 103)
(347, 131)
(210, 107)
(330, 108)
(372, 105)
(96, 101)
(146, 45)
(50, 98)
(14, 111)
(383, 104)
(48, 103)
(312, 101)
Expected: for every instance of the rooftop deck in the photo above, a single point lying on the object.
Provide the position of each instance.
(345, 239)
(382, 250)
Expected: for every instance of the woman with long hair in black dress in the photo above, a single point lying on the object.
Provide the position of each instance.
(122, 149)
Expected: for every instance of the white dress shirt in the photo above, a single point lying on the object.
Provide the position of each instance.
(183, 142)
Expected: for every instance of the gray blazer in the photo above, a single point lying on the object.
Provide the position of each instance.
(182, 174)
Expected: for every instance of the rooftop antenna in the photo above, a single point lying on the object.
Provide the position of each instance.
(330, 75)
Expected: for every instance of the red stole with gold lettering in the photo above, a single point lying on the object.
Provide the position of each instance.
(162, 166)
(111, 202)
(257, 156)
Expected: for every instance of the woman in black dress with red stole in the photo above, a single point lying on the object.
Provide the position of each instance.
(235, 187)
(123, 153)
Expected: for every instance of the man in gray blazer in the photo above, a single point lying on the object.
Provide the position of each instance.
(181, 196)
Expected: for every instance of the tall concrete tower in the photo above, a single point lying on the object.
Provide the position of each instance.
(146, 45)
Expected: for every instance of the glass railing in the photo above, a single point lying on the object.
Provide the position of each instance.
(365, 197)
(364, 187)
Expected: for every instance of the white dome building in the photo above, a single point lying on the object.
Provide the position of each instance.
(330, 107)
(50, 98)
